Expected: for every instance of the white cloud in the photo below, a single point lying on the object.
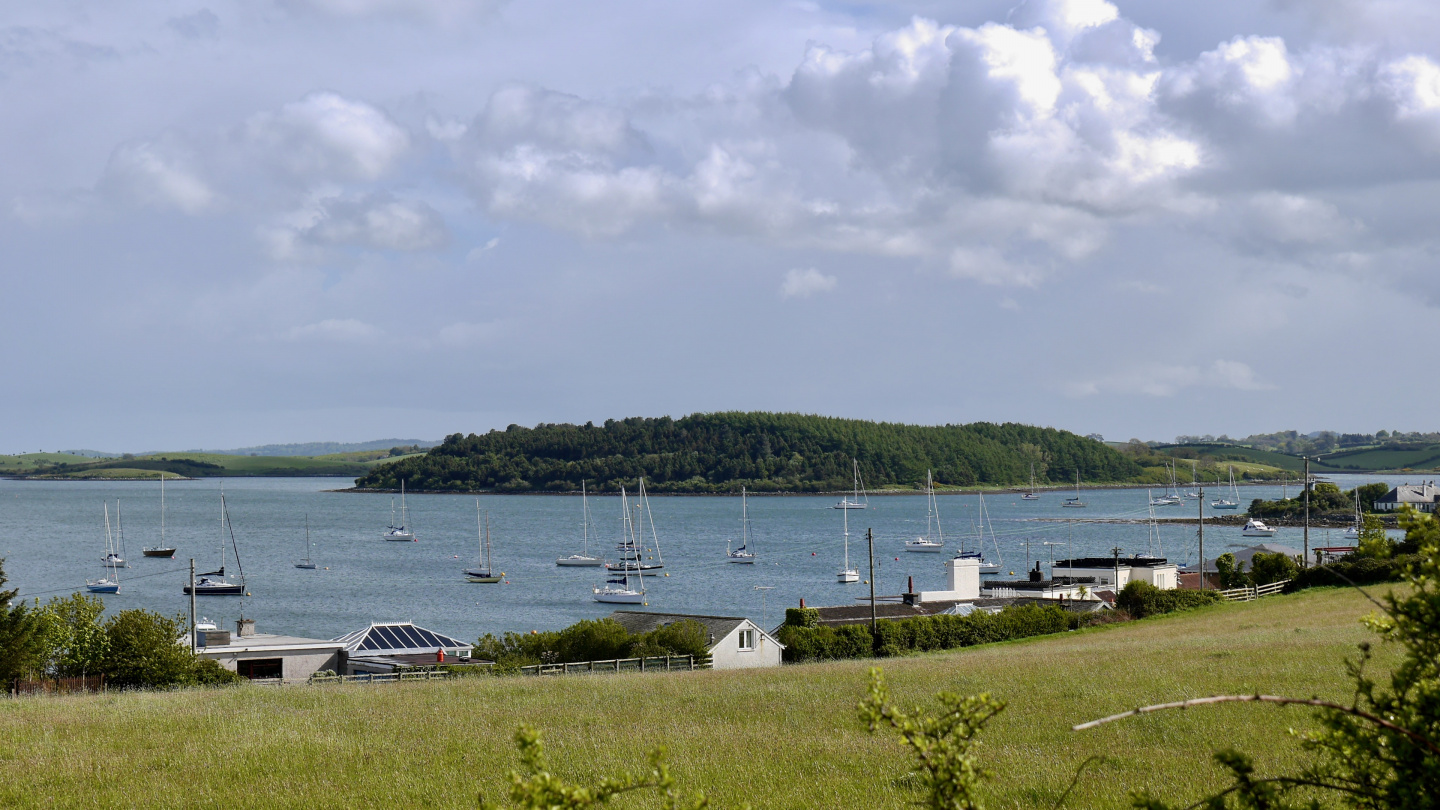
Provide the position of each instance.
(327, 136)
(805, 283)
(1161, 380)
(478, 253)
(336, 330)
(160, 174)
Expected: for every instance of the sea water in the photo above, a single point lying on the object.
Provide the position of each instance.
(52, 540)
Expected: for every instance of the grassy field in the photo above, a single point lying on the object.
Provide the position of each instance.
(1238, 456)
(1383, 458)
(785, 737)
(28, 462)
(149, 466)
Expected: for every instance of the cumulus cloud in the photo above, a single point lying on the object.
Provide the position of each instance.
(1159, 380)
(805, 283)
(327, 136)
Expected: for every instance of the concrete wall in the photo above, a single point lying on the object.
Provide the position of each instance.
(726, 653)
(296, 665)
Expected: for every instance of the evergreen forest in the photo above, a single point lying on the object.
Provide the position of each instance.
(765, 452)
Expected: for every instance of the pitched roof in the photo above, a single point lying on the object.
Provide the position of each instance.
(1410, 493)
(1109, 562)
(1247, 555)
(398, 638)
(643, 621)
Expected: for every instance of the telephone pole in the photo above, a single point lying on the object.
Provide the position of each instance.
(1202, 538)
(1305, 560)
(870, 538)
(193, 640)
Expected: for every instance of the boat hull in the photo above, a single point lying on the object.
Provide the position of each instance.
(159, 552)
(847, 577)
(746, 560)
(399, 537)
(216, 590)
(924, 549)
(103, 588)
(618, 597)
(1029, 497)
(486, 580)
(578, 561)
(646, 570)
(1258, 533)
(306, 566)
(1230, 506)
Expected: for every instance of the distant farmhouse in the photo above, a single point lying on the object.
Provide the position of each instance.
(734, 642)
(1421, 497)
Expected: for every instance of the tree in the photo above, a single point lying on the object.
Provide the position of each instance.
(1231, 573)
(20, 642)
(143, 650)
(1267, 568)
(950, 773)
(74, 636)
(1374, 542)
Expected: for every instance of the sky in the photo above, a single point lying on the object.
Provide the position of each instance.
(266, 221)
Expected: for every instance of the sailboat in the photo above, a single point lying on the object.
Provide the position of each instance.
(583, 558)
(742, 555)
(486, 574)
(308, 565)
(986, 567)
(857, 503)
(1032, 495)
(847, 574)
(632, 557)
(934, 538)
(111, 583)
(1233, 502)
(1075, 502)
(399, 534)
(1152, 540)
(617, 588)
(1193, 493)
(1169, 498)
(161, 550)
(1353, 533)
(214, 583)
(115, 553)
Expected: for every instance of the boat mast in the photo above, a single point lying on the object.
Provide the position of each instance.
(847, 539)
(404, 516)
(162, 509)
(745, 521)
(659, 557)
(488, 568)
(307, 538)
(119, 531)
(584, 520)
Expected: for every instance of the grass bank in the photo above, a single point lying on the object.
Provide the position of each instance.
(785, 737)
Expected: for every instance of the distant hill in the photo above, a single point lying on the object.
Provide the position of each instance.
(765, 452)
(322, 448)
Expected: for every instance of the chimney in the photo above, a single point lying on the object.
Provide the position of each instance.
(1036, 576)
(802, 603)
(440, 655)
(245, 628)
(910, 597)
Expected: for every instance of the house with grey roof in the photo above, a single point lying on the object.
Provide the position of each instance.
(384, 647)
(1421, 497)
(734, 641)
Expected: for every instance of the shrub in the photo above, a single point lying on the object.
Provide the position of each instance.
(1353, 570)
(921, 634)
(1141, 599)
(142, 651)
(209, 672)
(802, 617)
(1267, 568)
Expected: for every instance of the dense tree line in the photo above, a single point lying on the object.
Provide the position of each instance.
(766, 452)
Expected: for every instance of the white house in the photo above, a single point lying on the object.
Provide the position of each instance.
(1420, 496)
(962, 578)
(1112, 573)
(263, 656)
(735, 642)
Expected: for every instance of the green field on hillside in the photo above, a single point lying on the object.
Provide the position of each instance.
(785, 737)
(28, 462)
(1383, 458)
(195, 465)
(1225, 453)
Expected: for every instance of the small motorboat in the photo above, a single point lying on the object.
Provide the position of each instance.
(1257, 528)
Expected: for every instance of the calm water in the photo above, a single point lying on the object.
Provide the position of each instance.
(53, 539)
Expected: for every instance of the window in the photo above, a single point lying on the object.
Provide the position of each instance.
(747, 639)
(260, 668)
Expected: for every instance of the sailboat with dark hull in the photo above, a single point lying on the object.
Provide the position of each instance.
(162, 550)
(214, 583)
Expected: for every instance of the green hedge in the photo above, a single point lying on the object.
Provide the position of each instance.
(922, 633)
(1353, 571)
(1141, 599)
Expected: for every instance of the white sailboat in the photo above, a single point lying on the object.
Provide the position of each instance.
(309, 564)
(487, 574)
(617, 588)
(742, 555)
(1032, 495)
(857, 503)
(1353, 533)
(1171, 496)
(847, 575)
(1193, 493)
(161, 550)
(401, 533)
(1075, 502)
(1152, 540)
(1233, 502)
(213, 583)
(934, 538)
(111, 582)
(632, 551)
(986, 567)
(115, 552)
(583, 559)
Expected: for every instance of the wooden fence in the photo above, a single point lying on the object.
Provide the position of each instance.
(1250, 593)
(61, 686)
(658, 663)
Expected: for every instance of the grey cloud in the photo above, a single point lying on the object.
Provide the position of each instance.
(202, 24)
(376, 220)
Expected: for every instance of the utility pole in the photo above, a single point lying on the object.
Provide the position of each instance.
(192, 606)
(1116, 551)
(1305, 560)
(1202, 538)
(870, 538)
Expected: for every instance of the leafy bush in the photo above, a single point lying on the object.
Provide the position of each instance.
(208, 672)
(1266, 568)
(1141, 599)
(1353, 570)
(1230, 572)
(922, 633)
(141, 651)
(20, 637)
(591, 640)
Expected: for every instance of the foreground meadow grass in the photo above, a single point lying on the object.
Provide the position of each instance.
(786, 737)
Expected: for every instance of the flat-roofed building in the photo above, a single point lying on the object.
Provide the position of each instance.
(267, 656)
